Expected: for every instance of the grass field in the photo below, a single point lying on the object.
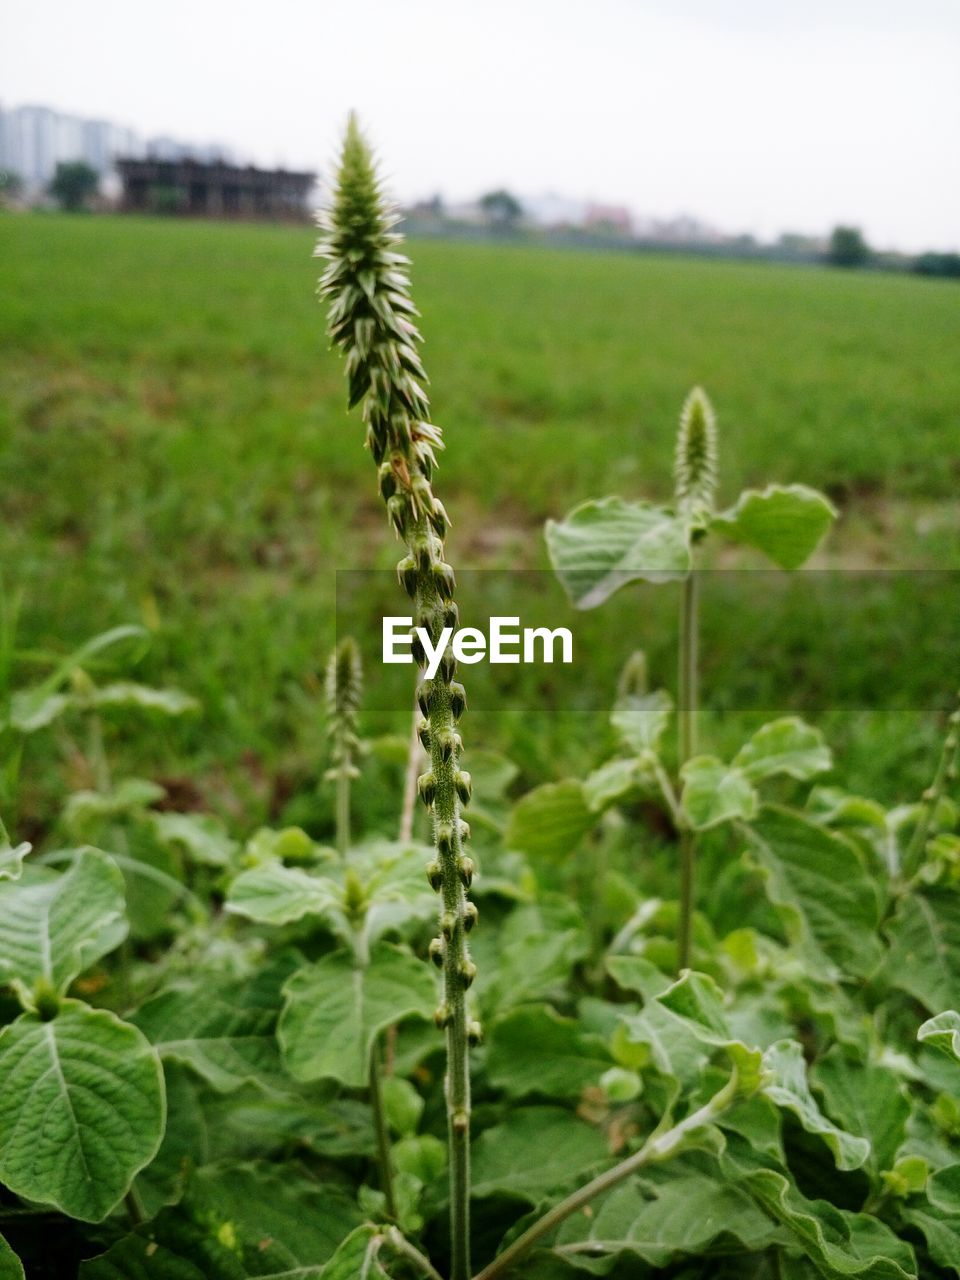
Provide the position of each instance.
(175, 449)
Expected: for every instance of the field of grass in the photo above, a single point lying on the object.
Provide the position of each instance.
(174, 448)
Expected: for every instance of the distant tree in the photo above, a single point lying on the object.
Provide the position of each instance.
(848, 248)
(938, 264)
(11, 185)
(73, 184)
(501, 207)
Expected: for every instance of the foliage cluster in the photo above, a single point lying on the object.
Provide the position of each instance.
(219, 1055)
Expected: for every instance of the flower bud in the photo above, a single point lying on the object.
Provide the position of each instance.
(444, 578)
(468, 971)
(464, 784)
(424, 691)
(427, 786)
(435, 951)
(387, 480)
(435, 875)
(470, 916)
(407, 573)
(465, 870)
(398, 512)
(474, 1032)
(444, 837)
(458, 700)
(443, 1016)
(448, 924)
(423, 733)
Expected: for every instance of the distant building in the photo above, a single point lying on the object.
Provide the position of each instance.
(214, 190)
(609, 217)
(34, 140)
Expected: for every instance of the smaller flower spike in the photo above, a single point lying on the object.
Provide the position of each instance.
(695, 467)
(344, 684)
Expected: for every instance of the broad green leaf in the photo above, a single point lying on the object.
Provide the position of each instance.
(603, 545)
(533, 1050)
(610, 783)
(185, 1146)
(636, 973)
(943, 1033)
(642, 719)
(252, 1220)
(680, 1210)
(942, 1235)
(53, 926)
(530, 956)
(402, 1105)
(866, 1099)
(924, 957)
(11, 860)
(788, 1088)
(86, 808)
(714, 792)
(786, 746)
(550, 821)
(838, 1242)
(828, 902)
(11, 1267)
(356, 1257)
(276, 894)
(943, 1189)
(201, 836)
(125, 695)
(225, 1032)
(785, 522)
(333, 1011)
(534, 1151)
(684, 1025)
(33, 709)
(395, 885)
(81, 1111)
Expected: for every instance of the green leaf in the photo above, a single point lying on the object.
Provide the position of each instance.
(681, 1210)
(402, 1105)
(126, 695)
(827, 900)
(941, 1234)
(11, 860)
(52, 926)
(85, 808)
(276, 894)
(642, 720)
(786, 522)
(714, 792)
(924, 957)
(603, 545)
(610, 783)
(333, 1011)
(550, 821)
(786, 746)
(33, 709)
(788, 1088)
(838, 1242)
(185, 1145)
(356, 1257)
(81, 1111)
(537, 1150)
(943, 1033)
(866, 1099)
(201, 836)
(533, 1050)
(224, 1032)
(943, 1189)
(11, 1267)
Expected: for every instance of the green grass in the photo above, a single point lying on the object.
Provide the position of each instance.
(174, 446)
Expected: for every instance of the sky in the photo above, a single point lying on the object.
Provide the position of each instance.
(753, 115)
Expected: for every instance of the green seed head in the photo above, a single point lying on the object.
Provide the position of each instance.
(343, 688)
(695, 467)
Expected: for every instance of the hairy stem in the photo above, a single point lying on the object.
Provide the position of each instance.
(343, 812)
(688, 689)
(393, 1238)
(658, 1147)
(383, 1137)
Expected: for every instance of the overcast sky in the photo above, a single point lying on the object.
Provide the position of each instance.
(756, 115)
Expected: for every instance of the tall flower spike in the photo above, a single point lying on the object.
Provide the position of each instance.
(371, 320)
(695, 466)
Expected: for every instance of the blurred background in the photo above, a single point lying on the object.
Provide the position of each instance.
(605, 204)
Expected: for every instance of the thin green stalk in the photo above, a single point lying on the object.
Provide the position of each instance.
(383, 1136)
(657, 1148)
(343, 813)
(396, 1241)
(688, 685)
(946, 770)
(371, 319)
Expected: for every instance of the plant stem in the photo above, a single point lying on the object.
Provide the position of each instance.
(414, 757)
(946, 769)
(688, 690)
(399, 1244)
(383, 1137)
(658, 1147)
(343, 812)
